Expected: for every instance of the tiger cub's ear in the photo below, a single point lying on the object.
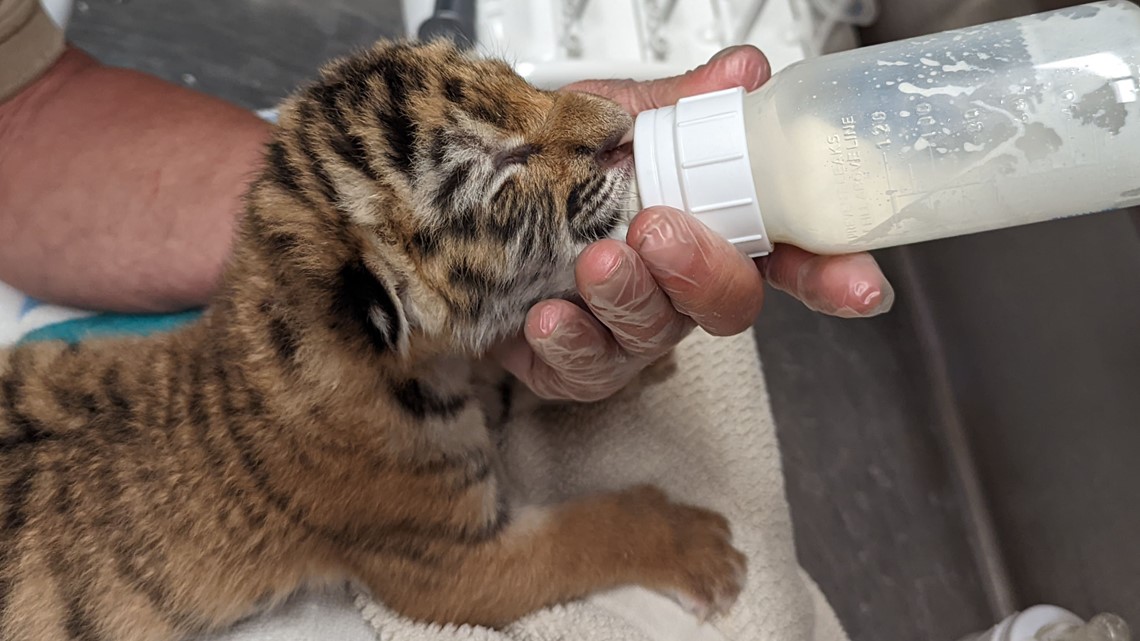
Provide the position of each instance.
(367, 300)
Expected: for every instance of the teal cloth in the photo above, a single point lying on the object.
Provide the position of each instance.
(108, 325)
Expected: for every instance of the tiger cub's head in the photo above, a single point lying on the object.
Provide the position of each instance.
(453, 194)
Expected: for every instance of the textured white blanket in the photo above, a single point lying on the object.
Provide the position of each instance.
(705, 434)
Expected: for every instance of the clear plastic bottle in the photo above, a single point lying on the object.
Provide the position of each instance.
(1051, 623)
(1002, 124)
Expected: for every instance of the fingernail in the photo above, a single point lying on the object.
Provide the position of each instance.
(725, 52)
(886, 295)
(664, 232)
(613, 262)
(548, 320)
(603, 290)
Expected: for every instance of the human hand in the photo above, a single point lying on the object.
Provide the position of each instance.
(673, 273)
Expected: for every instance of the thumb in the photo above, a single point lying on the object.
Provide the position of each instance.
(738, 66)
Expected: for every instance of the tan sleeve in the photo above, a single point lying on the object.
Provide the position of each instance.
(29, 43)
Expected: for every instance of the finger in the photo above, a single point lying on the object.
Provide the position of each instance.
(739, 66)
(742, 65)
(622, 294)
(704, 276)
(565, 354)
(849, 286)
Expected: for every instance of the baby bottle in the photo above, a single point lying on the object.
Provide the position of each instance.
(1050, 623)
(1002, 124)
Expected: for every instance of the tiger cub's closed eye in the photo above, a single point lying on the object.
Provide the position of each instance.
(515, 156)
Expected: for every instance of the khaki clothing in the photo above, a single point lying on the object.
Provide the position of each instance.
(29, 43)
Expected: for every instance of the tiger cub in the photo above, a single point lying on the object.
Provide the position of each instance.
(319, 422)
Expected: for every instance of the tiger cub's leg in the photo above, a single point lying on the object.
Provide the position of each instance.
(549, 555)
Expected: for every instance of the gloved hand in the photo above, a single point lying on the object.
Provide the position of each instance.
(673, 273)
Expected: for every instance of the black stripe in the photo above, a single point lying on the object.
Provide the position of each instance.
(196, 404)
(438, 147)
(528, 219)
(502, 520)
(470, 468)
(326, 95)
(448, 190)
(353, 74)
(214, 457)
(400, 79)
(282, 337)
(15, 500)
(77, 621)
(491, 112)
(600, 197)
(442, 463)
(357, 293)
(599, 229)
(137, 561)
(119, 417)
(281, 242)
(506, 398)
(422, 402)
(505, 227)
(140, 575)
(454, 90)
(352, 150)
(280, 170)
(468, 277)
(75, 402)
(503, 231)
(574, 200)
(581, 196)
(63, 502)
(462, 224)
(401, 131)
(426, 242)
(372, 540)
(65, 389)
(316, 166)
(176, 387)
(350, 147)
(28, 430)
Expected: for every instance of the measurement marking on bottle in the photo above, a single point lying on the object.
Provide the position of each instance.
(846, 163)
(881, 130)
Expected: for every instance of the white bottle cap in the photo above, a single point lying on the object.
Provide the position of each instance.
(1026, 625)
(694, 157)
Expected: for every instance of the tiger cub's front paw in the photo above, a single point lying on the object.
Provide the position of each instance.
(690, 553)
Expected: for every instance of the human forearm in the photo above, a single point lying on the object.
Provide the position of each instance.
(118, 191)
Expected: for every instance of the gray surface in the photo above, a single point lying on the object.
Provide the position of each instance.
(875, 504)
(252, 52)
(1043, 322)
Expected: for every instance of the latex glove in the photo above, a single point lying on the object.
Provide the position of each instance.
(672, 273)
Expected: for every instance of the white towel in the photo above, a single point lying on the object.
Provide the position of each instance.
(705, 434)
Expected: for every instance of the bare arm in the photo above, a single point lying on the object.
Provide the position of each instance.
(118, 191)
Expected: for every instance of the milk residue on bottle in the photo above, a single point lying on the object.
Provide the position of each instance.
(1003, 124)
